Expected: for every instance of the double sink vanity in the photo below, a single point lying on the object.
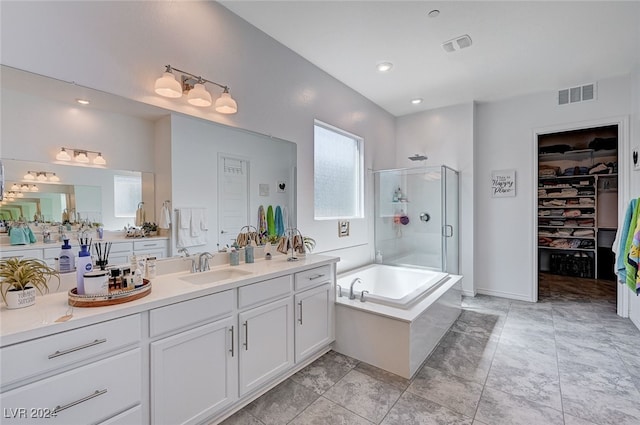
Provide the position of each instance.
(197, 348)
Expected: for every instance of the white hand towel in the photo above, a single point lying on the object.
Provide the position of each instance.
(140, 215)
(197, 218)
(165, 218)
(185, 217)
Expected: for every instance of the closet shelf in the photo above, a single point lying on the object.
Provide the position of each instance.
(566, 249)
(566, 237)
(577, 155)
(566, 197)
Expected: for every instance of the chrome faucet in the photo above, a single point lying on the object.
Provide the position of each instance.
(353, 282)
(183, 250)
(203, 260)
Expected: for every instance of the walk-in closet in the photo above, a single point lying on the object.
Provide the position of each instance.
(578, 203)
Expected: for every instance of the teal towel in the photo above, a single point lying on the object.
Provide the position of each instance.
(279, 221)
(17, 236)
(32, 238)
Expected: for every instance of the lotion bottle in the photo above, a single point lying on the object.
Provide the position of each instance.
(66, 259)
(84, 265)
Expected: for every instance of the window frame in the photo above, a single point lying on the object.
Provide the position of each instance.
(359, 180)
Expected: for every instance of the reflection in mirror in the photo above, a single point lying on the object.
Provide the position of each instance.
(82, 194)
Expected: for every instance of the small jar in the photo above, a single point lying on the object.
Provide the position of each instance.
(234, 258)
(96, 282)
(248, 254)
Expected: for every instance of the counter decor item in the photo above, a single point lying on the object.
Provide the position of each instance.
(113, 297)
(309, 243)
(102, 250)
(20, 277)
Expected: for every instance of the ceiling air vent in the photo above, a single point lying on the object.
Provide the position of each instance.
(577, 94)
(457, 43)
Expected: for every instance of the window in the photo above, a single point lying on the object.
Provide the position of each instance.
(127, 192)
(338, 173)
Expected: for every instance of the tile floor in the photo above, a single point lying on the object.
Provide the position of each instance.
(567, 359)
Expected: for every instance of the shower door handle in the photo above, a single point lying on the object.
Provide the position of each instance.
(447, 230)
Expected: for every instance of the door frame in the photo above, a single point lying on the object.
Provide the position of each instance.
(624, 182)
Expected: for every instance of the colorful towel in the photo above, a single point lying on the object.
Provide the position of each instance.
(619, 245)
(262, 226)
(630, 270)
(271, 224)
(633, 260)
(279, 221)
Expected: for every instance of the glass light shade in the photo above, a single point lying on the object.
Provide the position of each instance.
(199, 96)
(20, 195)
(42, 177)
(15, 187)
(63, 155)
(99, 160)
(226, 105)
(168, 86)
(34, 188)
(54, 178)
(29, 176)
(11, 195)
(82, 157)
(24, 188)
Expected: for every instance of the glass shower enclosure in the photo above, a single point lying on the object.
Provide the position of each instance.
(416, 223)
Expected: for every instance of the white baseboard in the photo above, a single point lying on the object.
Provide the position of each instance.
(502, 294)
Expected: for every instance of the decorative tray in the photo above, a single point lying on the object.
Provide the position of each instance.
(115, 297)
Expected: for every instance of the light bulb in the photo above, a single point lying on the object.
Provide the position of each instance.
(63, 155)
(168, 86)
(99, 160)
(225, 104)
(199, 96)
(82, 157)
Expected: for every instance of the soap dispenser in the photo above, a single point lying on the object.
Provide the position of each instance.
(84, 265)
(66, 259)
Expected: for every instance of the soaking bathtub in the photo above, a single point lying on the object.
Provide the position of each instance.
(402, 318)
(398, 287)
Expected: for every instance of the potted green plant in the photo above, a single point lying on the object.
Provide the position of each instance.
(309, 243)
(19, 279)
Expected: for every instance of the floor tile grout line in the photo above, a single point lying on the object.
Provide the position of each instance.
(555, 342)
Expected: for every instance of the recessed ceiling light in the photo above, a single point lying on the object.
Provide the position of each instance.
(416, 101)
(384, 66)
(82, 101)
(433, 13)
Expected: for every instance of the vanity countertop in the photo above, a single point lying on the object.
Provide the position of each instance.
(40, 245)
(37, 321)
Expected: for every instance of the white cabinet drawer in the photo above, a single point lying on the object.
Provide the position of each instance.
(313, 277)
(66, 348)
(23, 253)
(88, 394)
(262, 292)
(121, 247)
(130, 417)
(190, 313)
(149, 245)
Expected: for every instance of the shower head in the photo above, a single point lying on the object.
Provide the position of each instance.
(418, 157)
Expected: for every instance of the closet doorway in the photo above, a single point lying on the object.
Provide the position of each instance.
(577, 213)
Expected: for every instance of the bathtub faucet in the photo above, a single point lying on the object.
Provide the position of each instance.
(351, 295)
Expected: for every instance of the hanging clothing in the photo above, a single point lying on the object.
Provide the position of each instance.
(279, 221)
(271, 224)
(624, 237)
(262, 226)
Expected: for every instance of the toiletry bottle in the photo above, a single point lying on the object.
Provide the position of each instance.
(83, 266)
(151, 268)
(234, 257)
(66, 258)
(248, 253)
(378, 257)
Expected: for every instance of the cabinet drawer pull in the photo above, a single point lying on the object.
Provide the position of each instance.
(82, 400)
(246, 336)
(232, 352)
(149, 244)
(318, 276)
(80, 347)
(300, 304)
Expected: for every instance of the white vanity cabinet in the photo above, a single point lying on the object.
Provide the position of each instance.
(265, 332)
(74, 377)
(194, 373)
(151, 247)
(314, 324)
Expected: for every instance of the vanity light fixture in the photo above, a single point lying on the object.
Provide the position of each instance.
(19, 195)
(54, 178)
(29, 176)
(80, 155)
(194, 86)
(41, 176)
(24, 188)
(34, 188)
(15, 187)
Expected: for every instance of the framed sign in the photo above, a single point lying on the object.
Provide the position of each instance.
(503, 183)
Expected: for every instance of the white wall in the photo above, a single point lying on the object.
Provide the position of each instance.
(445, 135)
(504, 244)
(122, 47)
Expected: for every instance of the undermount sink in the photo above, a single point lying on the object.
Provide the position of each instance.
(214, 276)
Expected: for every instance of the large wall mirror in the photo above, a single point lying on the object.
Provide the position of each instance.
(175, 157)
